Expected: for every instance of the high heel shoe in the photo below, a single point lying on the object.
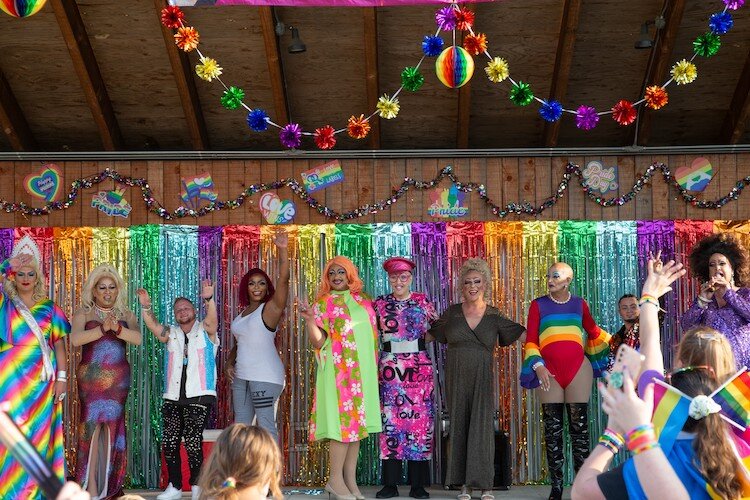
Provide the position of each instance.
(465, 493)
(336, 496)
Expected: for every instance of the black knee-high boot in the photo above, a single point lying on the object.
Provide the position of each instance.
(553, 437)
(578, 419)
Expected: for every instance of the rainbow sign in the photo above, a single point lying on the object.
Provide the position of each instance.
(322, 176)
(447, 203)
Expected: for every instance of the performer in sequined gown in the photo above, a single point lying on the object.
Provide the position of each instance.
(103, 326)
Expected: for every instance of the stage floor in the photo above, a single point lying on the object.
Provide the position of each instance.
(369, 492)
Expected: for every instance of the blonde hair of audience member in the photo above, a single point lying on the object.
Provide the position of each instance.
(704, 346)
(245, 463)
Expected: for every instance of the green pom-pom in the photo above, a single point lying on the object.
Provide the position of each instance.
(411, 79)
(232, 98)
(521, 94)
(707, 44)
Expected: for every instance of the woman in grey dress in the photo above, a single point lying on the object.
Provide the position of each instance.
(472, 329)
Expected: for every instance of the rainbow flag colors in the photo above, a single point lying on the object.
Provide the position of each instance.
(670, 414)
(734, 399)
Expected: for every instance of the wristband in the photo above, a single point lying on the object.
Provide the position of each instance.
(537, 365)
(61, 374)
(611, 440)
(208, 298)
(101, 327)
(145, 308)
(61, 379)
(642, 438)
(119, 330)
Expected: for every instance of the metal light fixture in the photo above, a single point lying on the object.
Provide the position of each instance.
(644, 39)
(297, 46)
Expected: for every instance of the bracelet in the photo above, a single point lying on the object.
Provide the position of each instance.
(611, 440)
(145, 308)
(61, 374)
(537, 365)
(642, 438)
(101, 327)
(208, 298)
(647, 297)
(119, 330)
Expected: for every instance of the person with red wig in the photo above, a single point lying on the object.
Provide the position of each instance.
(342, 328)
(254, 366)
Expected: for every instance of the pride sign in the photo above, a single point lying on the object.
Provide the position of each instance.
(322, 176)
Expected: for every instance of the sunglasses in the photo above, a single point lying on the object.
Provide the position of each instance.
(685, 369)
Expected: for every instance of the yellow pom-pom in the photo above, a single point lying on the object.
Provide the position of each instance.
(684, 72)
(388, 108)
(208, 69)
(497, 70)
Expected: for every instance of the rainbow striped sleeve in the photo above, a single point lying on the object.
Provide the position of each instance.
(60, 326)
(5, 268)
(531, 354)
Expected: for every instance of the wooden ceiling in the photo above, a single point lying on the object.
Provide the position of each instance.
(103, 75)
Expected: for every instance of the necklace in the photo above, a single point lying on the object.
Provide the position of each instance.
(102, 313)
(560, 301)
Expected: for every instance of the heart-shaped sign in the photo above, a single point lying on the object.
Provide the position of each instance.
(695, 177)
(45, 184)
(276, 211)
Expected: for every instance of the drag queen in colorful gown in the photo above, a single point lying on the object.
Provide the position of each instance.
(342, 328)
(33, 365)
(406, 381)
(103, 326)
(563, 360)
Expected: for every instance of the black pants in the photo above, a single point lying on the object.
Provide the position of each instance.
(419, 472)
(183, 422)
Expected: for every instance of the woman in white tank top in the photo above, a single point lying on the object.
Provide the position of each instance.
(254, 366)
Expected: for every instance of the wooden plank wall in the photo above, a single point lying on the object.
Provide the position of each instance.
(507, 179)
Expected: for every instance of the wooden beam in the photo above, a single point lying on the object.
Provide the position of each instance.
(560, 76)
(370, 18)
(84, 62)
(183, 73)
(659, 62)
(463, 118)
(275, 71)
(14, 124)
(739, 111)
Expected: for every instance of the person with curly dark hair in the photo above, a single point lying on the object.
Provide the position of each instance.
(723, 303)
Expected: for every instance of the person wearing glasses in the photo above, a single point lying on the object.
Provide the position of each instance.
(342, 328)
(722, 264)
(406, 381)
(472, 329)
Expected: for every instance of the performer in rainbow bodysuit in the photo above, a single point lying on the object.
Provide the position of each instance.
(559, 358)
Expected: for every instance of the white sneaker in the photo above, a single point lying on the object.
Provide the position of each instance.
(196, 492)
(171, 493)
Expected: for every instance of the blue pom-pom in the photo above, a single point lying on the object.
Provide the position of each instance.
(257, 119)
(720, 23)
(432, 45)
(551, 110)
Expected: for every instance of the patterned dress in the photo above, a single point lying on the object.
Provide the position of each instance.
(103, 382)
(406, 379)
(346, 406)
(31, 399)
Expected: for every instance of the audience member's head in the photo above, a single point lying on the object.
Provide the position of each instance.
(704, 346)
(245, 463)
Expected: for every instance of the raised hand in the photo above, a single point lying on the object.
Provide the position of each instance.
(207, 289)
(625, 409)
(143, 297)
(306, 311)
(661, 276)
(281, 239)
(707, 290)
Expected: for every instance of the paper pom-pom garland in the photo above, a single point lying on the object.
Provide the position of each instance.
(291, 135)
(388, 107)
(257, 120)
(187, 38)
(586, 117)
(411, 79)
(734, 4)
(624, 113)
(551, 111)
(454, 67)
(325, 137)
(521, 94)
(22, 8)
(208, 69)
(720, 23)
(172, 17)
(684, 72)
(656, 97)
(464, 19)
(707, 44)
(475, 44)
(445, 18)
(432, 45)
(497, 69)
(358, 128)
(232, 97)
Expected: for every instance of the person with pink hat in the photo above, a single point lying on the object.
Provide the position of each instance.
(406, 381)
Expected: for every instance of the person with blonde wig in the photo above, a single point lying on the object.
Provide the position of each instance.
(342, 328)
(245, 464)
(103, 326)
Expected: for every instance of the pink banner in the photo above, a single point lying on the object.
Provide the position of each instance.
(315, 3)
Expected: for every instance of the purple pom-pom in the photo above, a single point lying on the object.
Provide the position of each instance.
(734, 4)
(721, 22)
(551, 110)
(586, 117)
(446, 18)
(432, 45)
(257, 119)
(291, 135)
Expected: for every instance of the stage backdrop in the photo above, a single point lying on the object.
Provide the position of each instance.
(170, 261)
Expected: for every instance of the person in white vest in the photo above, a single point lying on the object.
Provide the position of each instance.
(189, 385)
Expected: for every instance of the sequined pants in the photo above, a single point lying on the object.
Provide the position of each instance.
(183, 422)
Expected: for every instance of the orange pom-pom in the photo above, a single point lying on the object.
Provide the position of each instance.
(187, 38)
(656, 97)
(358, 128)
(475, 44)
(464, 19)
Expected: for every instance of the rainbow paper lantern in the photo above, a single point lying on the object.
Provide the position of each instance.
(21, 8)
(454, 67)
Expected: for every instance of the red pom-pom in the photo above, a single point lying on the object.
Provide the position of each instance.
(656, 97)
(324, 137)
(464, 19)
(475, 44)
(172, 17)
(624, 113)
